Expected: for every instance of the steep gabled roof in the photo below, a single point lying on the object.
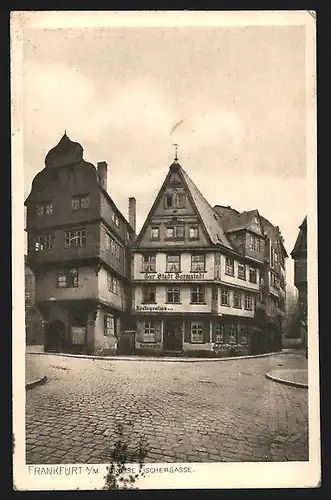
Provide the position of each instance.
(208, 216)
(206, 212)
(233, 220)
(300, 245)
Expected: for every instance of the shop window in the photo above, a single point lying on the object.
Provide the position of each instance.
(173, 263)
(109, 325)
(67, 278)
(252, 275)
(229, 266)
(237, 300)
(241, 271)
(225, 297)
(219, 334)
(196, 332)
(243, 335)
(80, 201)
(149, 331)
(232, 332)
(198, 263)
(173, 295)
(149, 294)
(197, 294)
(149, 263)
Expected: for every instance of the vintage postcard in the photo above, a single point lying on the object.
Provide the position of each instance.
(165, 328)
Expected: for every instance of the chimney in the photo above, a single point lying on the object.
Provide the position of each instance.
(102, 174)
(132, 213)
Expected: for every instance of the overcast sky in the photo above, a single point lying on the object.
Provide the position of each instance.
(238, 93)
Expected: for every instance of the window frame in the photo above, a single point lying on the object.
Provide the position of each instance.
(227, 266)
(75, 237)
(244, 273)
(198, 293)
(238, 294)
(44, 208)
(175, 230)
(168, 196)
(198, 326)
(254, 269)
(79, 198)
(64, 275)
(192, 262)
(151, 264)
(248, 299)
(219, 333)
(152, 298)
(225, 292)
(45, 240)
(169, 255)
(149, 336)
(194, 228)
(155, 228)
(179, 200)
(106, 330)
(175, 292)
(112, 284)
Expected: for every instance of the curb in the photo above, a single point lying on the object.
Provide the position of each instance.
(153, 359)
(34, 383)
(286, 382)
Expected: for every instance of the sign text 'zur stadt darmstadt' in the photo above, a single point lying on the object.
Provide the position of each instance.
(174, 276)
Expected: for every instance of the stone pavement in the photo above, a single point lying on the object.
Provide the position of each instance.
(187, 412)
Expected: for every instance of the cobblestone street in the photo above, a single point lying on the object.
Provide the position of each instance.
(219, 411)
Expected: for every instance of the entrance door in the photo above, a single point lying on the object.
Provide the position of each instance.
(55, 336)
(173, 335)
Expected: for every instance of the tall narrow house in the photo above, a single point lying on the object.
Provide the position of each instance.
(78, 249)
(299, 254)
(199, 275)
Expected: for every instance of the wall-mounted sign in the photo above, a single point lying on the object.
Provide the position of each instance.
(175, 276)
(153, 308)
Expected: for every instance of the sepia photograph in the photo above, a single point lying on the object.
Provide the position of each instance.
(165, 332)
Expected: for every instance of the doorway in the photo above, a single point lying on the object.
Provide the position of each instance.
(55, 336)
(173, 335)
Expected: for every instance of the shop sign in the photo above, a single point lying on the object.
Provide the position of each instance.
(153, 308)
(175, 276)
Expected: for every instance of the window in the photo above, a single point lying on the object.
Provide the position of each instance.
(43, 242)
(237, 299)
(149, 263)
(155, 233)
(243, 334)
(75, 238)
(27, 300)
(197, 294)
(180, 200)
(80, 201)
(229, 266)
(168, 200)
(109, 325)
(198, 263)
(248, 302)
(173, 295)
(232, 330)
(112, 284)
(224, 296)
(45, 208)
(275, 257)
(274, 281)
(196, 333)
(252, 275)
(175, 232)
(149, 331)
(173, 263)
(219, 334)
(241, 271)
(114, 247)
(149, 293)
(194, 233)
(115, 219)
(255, 243)
(67, 278)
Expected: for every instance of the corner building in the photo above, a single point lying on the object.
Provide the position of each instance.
(78, 250)
(195, 287)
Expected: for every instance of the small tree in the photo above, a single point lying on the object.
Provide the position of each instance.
(117, 476)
